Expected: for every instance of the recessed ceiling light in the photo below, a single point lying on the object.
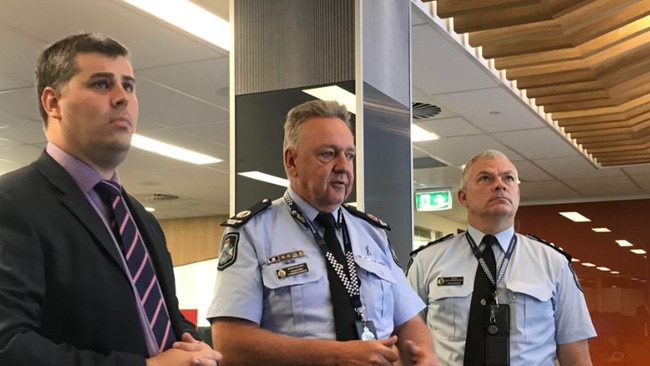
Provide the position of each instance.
(172, 151)
(335, 92)
(637, 251)
(601, 229)
(150, 209)
(420, 134)
(575, 260)
(574, 216)
(587, 264)
(614, 272)
(624, 243)
(268, 178)
(190, 18)
(604, 269)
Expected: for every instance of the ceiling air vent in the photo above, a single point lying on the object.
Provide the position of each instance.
(425, 110)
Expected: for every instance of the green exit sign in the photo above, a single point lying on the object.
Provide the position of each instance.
(433, 200)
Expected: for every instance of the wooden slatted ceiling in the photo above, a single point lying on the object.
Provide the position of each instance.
(586, 62)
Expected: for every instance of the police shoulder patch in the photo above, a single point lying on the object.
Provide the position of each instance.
(228, 250)
(537, 238)
(416, 251)
(243, 216)
(368, 217)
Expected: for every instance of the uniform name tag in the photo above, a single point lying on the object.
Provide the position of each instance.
(450, 281)
(292, 270)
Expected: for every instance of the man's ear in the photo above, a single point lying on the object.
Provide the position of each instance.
(50, 102)
(290, 160)
(462, 197)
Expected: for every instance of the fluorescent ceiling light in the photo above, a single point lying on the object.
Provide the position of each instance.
(601, 229)
(614, 272)
(575, 260)
(604, 269)
(574, 216)
(420, 134)
(624, 243)
(189, 17)
(637, 251)
(587, 264)
(268, 178)
(334, 92)
(171, 151)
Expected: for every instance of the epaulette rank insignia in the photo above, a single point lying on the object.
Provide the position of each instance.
(243, 216)
(440, 240)
(368, 217)
(537, 238)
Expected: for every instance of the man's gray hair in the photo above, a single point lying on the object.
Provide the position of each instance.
(314, 108)
(487, 154)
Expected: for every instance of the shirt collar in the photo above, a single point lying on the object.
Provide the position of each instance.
(503, 237)
(83, 174)
(308, 211)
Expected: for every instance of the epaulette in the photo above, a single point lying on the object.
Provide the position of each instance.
(243, 216)
(368, 217)
(448, 236)
(537, 238)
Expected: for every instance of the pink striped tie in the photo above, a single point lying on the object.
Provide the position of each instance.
(138, 263)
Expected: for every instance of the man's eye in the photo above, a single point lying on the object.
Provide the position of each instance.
(350, 156)
(327, 155)
(101, 84)
(129, 87)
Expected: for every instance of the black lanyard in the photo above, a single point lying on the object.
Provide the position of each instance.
(504, 264)
(346, 272)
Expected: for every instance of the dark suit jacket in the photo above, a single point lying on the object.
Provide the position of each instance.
(64, 297)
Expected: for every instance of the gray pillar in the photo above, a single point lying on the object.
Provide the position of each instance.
(284, 46)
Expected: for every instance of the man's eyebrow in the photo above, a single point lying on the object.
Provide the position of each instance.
(111, 75)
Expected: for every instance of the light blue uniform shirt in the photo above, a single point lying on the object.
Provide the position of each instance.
(547, 306)
(300, 305)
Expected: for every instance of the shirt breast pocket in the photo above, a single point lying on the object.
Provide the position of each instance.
(377, 283)
(293, 296)
(532, 305)
(448, 310)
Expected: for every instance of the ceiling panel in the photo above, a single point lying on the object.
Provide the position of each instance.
(493, 109)
(167, 106)
(609, 186)
(441, 68)
(527, 143)
(456, 150)
(206, 80)
(574, 167)
(546, 191)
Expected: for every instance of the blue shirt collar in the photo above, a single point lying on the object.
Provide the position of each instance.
(503, 237)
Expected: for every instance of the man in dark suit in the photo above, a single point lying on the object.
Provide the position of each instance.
(68, 295)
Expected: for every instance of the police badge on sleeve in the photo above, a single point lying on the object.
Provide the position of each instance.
(228, 251)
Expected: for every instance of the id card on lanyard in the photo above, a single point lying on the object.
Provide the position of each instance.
(496, 316)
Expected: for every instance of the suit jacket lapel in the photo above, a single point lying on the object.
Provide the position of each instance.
(75, 200)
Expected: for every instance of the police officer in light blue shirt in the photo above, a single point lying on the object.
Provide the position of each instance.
(273, 302)
(548, 316)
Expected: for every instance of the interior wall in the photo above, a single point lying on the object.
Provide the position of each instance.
(193, 239)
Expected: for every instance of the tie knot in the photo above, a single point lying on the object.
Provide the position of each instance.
(326, 220)
(488, 240)
(108, 189)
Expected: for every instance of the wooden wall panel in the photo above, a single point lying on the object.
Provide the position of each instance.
(193, 239)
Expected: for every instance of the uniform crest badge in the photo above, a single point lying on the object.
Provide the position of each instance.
(228, 251)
